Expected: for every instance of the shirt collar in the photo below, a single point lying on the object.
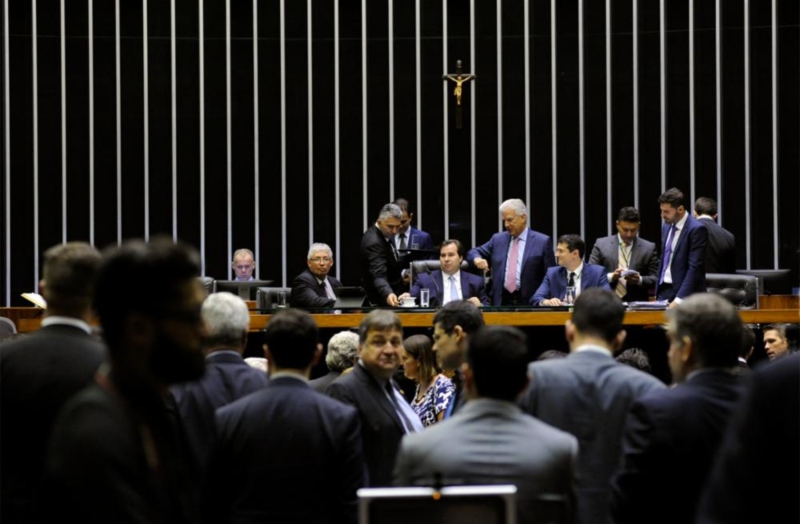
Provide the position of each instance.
(67, 321)
(595, 349)
(578, 271)
(288, 374)
(682, 222)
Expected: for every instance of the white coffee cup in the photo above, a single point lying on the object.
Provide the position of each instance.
(409, 302)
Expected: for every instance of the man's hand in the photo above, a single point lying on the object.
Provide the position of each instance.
(403, 296)
(551, 302)
(633, 278)
(392, 300)
(673, 304)
(616, 274)
(481, 264)
(406, 278)
(476, 301)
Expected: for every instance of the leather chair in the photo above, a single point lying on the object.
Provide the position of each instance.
(7, 328)
(739, 290)
(426, 266)
(267, 297)
(207, 283)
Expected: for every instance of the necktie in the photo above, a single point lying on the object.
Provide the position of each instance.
(667, 253)
(325, 285)
(403, 244)
(453, 289)
(511, 268)
(571, 282)
(622, 285)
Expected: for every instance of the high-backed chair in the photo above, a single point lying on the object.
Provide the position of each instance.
(7, 328)
(426, 266)
(739, 290)
(207, 283)
(267, 297)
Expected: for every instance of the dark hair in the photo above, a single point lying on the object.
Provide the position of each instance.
(454, 242)
(598, 312)
(748, 341)
(573, 242)
(292, 337)
(459, 313)
(498, 357)
(673, 197)
(636, 358)
(379, 320)
(69, 273)
(403, 204)
(788, 332)
(713, 326)
(629, 214)
(420, 348)
(144, 277)
(551, 354)
(705, 206)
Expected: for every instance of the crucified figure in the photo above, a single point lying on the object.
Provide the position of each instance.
(460, 79)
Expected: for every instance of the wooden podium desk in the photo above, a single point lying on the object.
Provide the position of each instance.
(28, 319)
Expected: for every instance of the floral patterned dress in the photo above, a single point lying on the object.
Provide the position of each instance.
(434, 401)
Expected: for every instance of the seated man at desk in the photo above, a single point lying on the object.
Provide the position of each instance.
(243, 265)
(570, 272)
(450, 283)
(314, 287)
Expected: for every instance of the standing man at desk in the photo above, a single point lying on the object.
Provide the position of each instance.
(721, 248)
(519, 256)
(380, 269)
(570, 272)
(314, 287)
(407, 235)
(244, 263)
(626, 250)
(683, 249)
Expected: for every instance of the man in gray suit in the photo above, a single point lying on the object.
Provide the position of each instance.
(626, 250)
(588, 395)
(491, 441)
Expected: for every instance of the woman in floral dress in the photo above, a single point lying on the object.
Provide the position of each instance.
(433, 389)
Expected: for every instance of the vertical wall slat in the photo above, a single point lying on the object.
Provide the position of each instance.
(146, 104)
(554, 113)
(718, 95)
(445, 127)
(692, 160)
(391, 99)
(662, 52)
(283, 140)
(473, 120)
(7, 149)
(336, 135)
(35, 53)
(635, 38)
(609, 120)
(499, 104)
(173, 93)
(228, 130)
(364, 140)
(63, 123)
(418, 106)
(256, 158)
(310, 74)
(527, 55)
(202, 59)
(581, 123)
(747, 122)
(775, 187)
(91, 122)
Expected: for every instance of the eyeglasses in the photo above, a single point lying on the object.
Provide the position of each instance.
(242, 268)
(324, 260)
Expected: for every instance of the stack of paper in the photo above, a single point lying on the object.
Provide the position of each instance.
(647, 305)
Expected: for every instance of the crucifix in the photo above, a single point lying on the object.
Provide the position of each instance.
(459, 78)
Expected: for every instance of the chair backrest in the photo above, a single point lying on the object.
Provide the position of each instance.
(426, 266)
(207, 283)
(267, 297)
(739, 290)
(7, 328)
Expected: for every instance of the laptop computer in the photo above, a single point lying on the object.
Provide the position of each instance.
(349, 297)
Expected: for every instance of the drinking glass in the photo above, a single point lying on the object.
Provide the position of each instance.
(425, 297)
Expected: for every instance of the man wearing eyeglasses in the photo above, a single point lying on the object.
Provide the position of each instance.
(314, 287)
(243, 265)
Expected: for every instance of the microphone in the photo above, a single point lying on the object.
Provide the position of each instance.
(427, 271)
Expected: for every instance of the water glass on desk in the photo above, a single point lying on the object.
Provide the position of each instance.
(569, 296)
(281, 299)
(424, 297)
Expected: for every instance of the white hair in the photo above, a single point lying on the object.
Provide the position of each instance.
(319, 247)
(516, 205)
(243, 251)
(342, 351)
(390, 210)
(227, 319)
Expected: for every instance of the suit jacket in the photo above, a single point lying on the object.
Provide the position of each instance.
(643, 258)
(538, 256)
(416, 236)
(760, 443)
(286, 454)
(227, 378)
(307, 293)
(471, 286)
(555, 282)
(321, 384)
(671, 438)
(721, 248)
(381, 428)
(688, 261)
(493, 442)
(380, 269)
(588, 395)
(39, 373)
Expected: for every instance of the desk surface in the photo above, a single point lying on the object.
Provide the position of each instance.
(29, 318)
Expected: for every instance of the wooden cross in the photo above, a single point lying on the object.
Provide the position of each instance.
(459, 78)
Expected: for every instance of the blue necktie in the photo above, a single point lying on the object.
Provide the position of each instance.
(667, 253)
(453, 290)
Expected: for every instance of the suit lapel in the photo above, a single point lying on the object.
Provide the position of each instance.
(380, 397)
(439, 278)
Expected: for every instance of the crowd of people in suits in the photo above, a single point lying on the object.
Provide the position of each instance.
(163, 420)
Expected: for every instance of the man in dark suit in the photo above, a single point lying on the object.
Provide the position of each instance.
(315, 287)
(755, 478)
(227, 378)
(721, 248)
(117, 449)
(381, 274)
(287, 453)
(681, 267)
(40, 372)
(627, 251)
(570, 272)
(672, 435)
(342, 354)
(385, 414)
(588, 395)
(450, 283)
(409, 237)
(453, 325)
(489, 441)
(518, 257)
